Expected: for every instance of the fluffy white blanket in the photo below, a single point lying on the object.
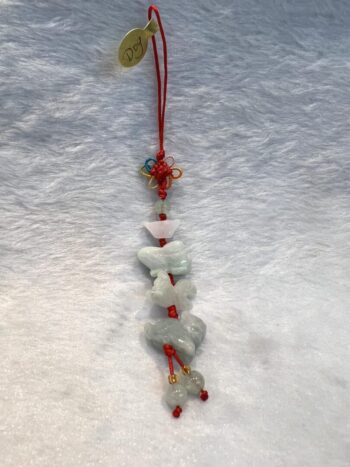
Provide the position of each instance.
(258, 117)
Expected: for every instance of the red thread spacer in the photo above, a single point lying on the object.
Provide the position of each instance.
(160, 155)
(168, 350)
(171, 366)
(172, 313)
(171, 277)
(161, 92)
(162, 194)
(160, 171)
(178, 359)
(204, 395)
(177, 411)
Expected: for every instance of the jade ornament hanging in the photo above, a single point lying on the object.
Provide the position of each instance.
(178, 335)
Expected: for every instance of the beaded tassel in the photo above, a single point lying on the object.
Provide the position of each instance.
(180, 334)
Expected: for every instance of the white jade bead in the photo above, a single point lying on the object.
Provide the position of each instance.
(162, 229)
(164, 294)
(162, 207)
(176, 395)
(171, 258)
(185, 335)
(195, 326)
(171, 331)
(194, 382)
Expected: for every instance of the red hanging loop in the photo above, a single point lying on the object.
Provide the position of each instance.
(161, 93)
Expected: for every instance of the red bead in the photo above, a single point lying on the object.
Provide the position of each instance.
(162, 241)
(162, 216)
(177, 411)
(204, 395)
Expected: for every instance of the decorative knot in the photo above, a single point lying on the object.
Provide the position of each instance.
(161, 172)
(168, 350)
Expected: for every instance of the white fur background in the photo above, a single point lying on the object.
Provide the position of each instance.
(258, 117)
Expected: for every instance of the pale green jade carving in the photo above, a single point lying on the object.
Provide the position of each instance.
(184, 334)
(171, 331)
(162, 207)
(195, 326)
(172, 258)
(193, 382)
(176, 395)
(164, 294)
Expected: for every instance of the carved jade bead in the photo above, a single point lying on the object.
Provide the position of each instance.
(194, 382)
(176, 395)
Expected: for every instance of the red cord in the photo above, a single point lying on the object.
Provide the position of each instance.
(161, 98)
(169, 352)
(171, 278)
(172, 312)
(160, 171)
(161, 168)
(171, 366)
(178, 359)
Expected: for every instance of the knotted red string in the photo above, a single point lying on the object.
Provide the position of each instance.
(161, 95)
(161, 170)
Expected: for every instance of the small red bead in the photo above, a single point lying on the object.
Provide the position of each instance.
(162, 241)
(172, 313)
(162, 216)
(177, 411)
(204, 395)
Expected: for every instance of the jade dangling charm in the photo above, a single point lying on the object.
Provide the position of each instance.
(177, 336)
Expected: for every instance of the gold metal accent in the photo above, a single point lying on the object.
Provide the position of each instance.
(178, 171)
(186, 370)
(169, 181)
(152, 184)
(151, 28)
(144, 172)
(133, 47)
(172, 379)
(168, 159)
